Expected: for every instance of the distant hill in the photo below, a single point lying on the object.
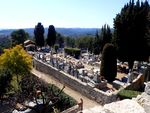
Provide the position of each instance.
(71, 32)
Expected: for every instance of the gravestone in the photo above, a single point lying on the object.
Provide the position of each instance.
(147, 88)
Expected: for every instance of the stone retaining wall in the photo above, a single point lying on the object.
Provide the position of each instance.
(84, 88)
(73, 109)
(137, 83)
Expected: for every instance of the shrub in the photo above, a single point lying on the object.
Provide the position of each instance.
(17, 60)
(5, 78)
(30, 84)
(108, 67)
(73, 52)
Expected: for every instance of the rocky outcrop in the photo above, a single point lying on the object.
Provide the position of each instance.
(124, 106)
(144, 98)
(144, 101)
(140, 104)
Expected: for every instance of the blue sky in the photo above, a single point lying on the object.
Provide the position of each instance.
(60, 13)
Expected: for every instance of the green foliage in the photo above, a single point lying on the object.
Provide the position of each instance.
(60, 40)
(128, 94)
(16, 60)
(65, 100)
(101, 39)
(108, 67)
(85, 42)
(30, 84)
(105, 36)
(69, 42)
(39, 35)
(51, 36)
(131, 29)
(56, 47)
(96, 44)
(5, 78)
(73, 52)
(19, 36)
(6, 43)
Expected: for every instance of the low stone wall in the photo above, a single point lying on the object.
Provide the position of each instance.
(137, 83)
(73, 109)
(84, 88)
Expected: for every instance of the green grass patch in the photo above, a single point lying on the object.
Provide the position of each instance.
(128, 94)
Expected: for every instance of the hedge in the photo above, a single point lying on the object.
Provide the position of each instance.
(75, 52)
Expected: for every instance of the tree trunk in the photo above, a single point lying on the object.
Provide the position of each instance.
(130, 63)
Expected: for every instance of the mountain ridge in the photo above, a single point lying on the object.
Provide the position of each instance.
(71, 32)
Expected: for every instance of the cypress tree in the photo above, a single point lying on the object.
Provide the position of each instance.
(105, 36)
(96, 44)
(39, 35)
(51, 36)
(108, 67)
(131, 27)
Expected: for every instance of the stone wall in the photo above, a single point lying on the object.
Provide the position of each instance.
(137, 83)
(84, 88)
(73, 109)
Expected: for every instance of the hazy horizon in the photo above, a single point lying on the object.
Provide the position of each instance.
(55, 27)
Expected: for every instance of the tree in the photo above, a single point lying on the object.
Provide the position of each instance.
(75, 52)
(131, 27)
(105, 36)
(17, 61)
(60, 40)
(85, 42)
(69, 42)
(39, 35)
(51, 36)
(56, 47)
(96, 44)
(90, 41)
(5, 42)
(5, 78)
(108, 67)
(101, 39)
(19, 36)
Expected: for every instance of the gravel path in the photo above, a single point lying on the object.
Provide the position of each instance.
(87, 103)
